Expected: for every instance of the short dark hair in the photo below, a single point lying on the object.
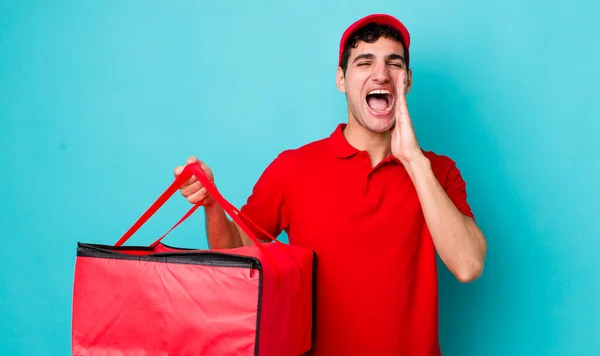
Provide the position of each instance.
(371, 33)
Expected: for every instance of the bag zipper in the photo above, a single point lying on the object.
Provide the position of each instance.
(204, 258)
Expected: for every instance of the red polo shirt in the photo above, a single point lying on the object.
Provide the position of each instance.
(376, 263)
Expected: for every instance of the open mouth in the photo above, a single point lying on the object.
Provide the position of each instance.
(380, 101)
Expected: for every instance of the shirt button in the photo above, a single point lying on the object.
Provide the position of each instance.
(363, 155)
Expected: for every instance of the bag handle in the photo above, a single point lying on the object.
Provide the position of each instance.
(236, 215)
(196, 170)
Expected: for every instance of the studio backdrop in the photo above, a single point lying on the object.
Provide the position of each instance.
(101, 100)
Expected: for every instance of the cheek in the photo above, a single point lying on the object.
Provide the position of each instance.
(355, 83)
(353, 90)
(355, 97)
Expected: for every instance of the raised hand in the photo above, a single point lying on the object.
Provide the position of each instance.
(405, 146)
(192, 189)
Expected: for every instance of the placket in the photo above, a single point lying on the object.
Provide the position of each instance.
(366, 174)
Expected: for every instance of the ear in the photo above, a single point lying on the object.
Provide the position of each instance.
(339, 80)
(408, 80)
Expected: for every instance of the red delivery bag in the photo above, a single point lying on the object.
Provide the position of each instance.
(162, 300)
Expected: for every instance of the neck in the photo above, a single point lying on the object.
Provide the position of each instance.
(377, 145)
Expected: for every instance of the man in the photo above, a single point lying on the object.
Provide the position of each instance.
(371, 203)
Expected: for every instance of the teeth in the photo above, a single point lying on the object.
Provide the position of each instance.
(379, 91)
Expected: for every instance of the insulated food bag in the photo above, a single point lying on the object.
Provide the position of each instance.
(163, 300)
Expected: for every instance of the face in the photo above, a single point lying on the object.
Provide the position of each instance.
(370, 83)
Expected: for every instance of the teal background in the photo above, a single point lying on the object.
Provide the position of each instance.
(99, 101)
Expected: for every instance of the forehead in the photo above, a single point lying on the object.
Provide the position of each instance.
(380, 48)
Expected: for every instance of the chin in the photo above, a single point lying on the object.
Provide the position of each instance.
(379, 125)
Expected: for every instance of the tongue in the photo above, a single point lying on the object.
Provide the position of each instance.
(376, 103)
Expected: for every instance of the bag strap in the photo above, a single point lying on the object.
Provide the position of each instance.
(187, 215)
(238, 217)
(196, 170)
(182, 178)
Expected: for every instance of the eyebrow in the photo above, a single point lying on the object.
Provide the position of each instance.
(363, 56)
(394, 56)
(389, 57)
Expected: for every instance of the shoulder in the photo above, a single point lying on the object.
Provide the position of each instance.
(309, 152)
(442, 166)
(287, 166)
(439, 161)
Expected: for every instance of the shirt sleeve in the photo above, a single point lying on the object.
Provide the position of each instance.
(266, 205)
(451, 180)
(456, 189)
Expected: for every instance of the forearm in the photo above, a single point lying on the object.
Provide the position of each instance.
(221, 232)
(457, 239)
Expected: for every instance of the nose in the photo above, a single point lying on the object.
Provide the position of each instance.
(381, 73)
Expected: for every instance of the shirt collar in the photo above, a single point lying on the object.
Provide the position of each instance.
(343, 149)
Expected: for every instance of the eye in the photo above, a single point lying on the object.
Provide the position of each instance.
(363, 64)
(397, 64)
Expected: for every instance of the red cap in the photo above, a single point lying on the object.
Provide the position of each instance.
(381, 19)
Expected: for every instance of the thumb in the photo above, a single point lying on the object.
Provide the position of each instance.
(178, 171)
(192, 159)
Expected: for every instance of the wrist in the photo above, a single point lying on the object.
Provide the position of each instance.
(209, 203)
(417, 166)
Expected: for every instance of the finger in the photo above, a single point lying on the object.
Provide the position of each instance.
(192, 159)
(401, 85)
(191, 189)
(401, 106)
(178, 170)
(198, 196)
(401, 80)
(190, 181)
(207, 170)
